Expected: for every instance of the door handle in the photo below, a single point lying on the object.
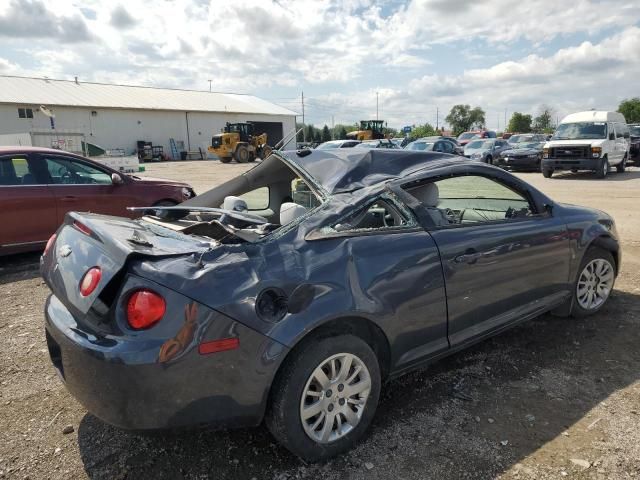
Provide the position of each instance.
(470, 256)
(69, 198)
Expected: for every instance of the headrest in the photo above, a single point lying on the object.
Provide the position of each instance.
(290, 211)
(235, 204)
(428, 194)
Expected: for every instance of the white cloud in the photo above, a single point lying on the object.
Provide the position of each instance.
(342, 51)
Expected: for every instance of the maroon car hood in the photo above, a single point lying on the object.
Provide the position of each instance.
(159, 181)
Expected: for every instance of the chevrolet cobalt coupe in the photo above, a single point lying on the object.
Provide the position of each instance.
(291, 293)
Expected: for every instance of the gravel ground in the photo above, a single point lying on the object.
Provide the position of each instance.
(552, 398)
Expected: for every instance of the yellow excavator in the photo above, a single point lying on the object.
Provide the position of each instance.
(239, 141)
(369, 130)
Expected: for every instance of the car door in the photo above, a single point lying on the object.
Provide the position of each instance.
(78, 185)
(28, 213)
(394, 276)
(502, 259)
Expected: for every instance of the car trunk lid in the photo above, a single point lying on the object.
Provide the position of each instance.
(88, 240)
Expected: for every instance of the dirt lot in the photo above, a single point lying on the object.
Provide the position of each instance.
(553, 398)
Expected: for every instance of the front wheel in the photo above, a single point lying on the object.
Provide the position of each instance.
(603, 169)
(622, 166)
(547, 173)
(594, 283)
(242, 154)
(325, 396)
(490, 160)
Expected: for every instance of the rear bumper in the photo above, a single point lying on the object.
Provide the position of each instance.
(571, 164)
(129, 385)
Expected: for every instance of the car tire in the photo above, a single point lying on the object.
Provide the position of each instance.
(308, 438)
(622, 166)
(594, 282)
(603, 168)
(547, 173)
(489, 160)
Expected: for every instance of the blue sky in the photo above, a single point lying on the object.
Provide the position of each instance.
(419, 56)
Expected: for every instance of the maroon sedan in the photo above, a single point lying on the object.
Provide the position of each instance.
(38, 186)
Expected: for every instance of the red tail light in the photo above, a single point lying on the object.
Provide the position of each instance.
(82, 227)
(90, 281)
(144, 309)
(50, 242)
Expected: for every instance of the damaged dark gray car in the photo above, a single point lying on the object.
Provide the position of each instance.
(292, 292)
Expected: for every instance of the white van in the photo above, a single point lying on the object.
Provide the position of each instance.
(592, 140)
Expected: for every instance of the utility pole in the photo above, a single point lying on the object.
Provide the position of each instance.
(505, 118)
(209, 85)
(304, 133)
(497, 129)
(333, 127)
(376, 105)
(437, 118)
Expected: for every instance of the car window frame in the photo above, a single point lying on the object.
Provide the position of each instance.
(412, 225)
(538, 213)
(28, 159)
(81, 161)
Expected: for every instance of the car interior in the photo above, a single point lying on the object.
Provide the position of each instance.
(470, 199)
(246, 208)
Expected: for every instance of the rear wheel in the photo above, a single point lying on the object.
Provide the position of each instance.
(266, 151)
(547, 173)
(622, 166)
(603, 168)
(242, 154)
(593, 286)
(325, 396)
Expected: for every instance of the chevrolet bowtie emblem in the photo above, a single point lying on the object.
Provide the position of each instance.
(64, 251)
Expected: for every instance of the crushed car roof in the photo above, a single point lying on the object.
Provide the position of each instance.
(345, 170)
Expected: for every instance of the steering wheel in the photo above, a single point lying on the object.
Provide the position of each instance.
(462, 214)
(66, 176)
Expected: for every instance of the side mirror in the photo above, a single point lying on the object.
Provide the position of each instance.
(612, 136)
(116, 179)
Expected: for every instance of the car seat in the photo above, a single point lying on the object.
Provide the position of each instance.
(429, 196)
(290, 211)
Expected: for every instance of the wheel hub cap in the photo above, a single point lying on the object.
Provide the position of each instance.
(334, 398)
(595, 284)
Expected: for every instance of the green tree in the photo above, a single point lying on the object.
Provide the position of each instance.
(425, 130)
(342, 133)
(543, 123)
(520, 123)
(463, 118)
(630, 108)
(326, 134)
(317, 136)
(310, 133)
(300, 134)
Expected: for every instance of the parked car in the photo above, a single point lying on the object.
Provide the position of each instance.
(591, 140)
(527, 138)
(466, 137)
(522, 156)
(400, 141)
(634, 147)
(381, 143)
(485, 150)
(337, 144)
(298, 315)
(38, 186)
(433, 145)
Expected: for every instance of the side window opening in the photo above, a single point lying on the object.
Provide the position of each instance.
(471, 199)
(382, 214)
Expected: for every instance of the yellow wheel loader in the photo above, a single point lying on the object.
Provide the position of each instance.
(369, 130)
(238, 141)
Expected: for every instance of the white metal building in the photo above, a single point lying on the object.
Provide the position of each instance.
(117, 116)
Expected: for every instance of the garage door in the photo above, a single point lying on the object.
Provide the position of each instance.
(272, 129)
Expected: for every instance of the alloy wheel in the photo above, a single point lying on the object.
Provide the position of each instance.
(595, 284)
(335, 397)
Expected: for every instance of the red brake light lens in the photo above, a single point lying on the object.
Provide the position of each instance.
(144, 309)
(90, 281)
(83, 228)
(50, 242)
